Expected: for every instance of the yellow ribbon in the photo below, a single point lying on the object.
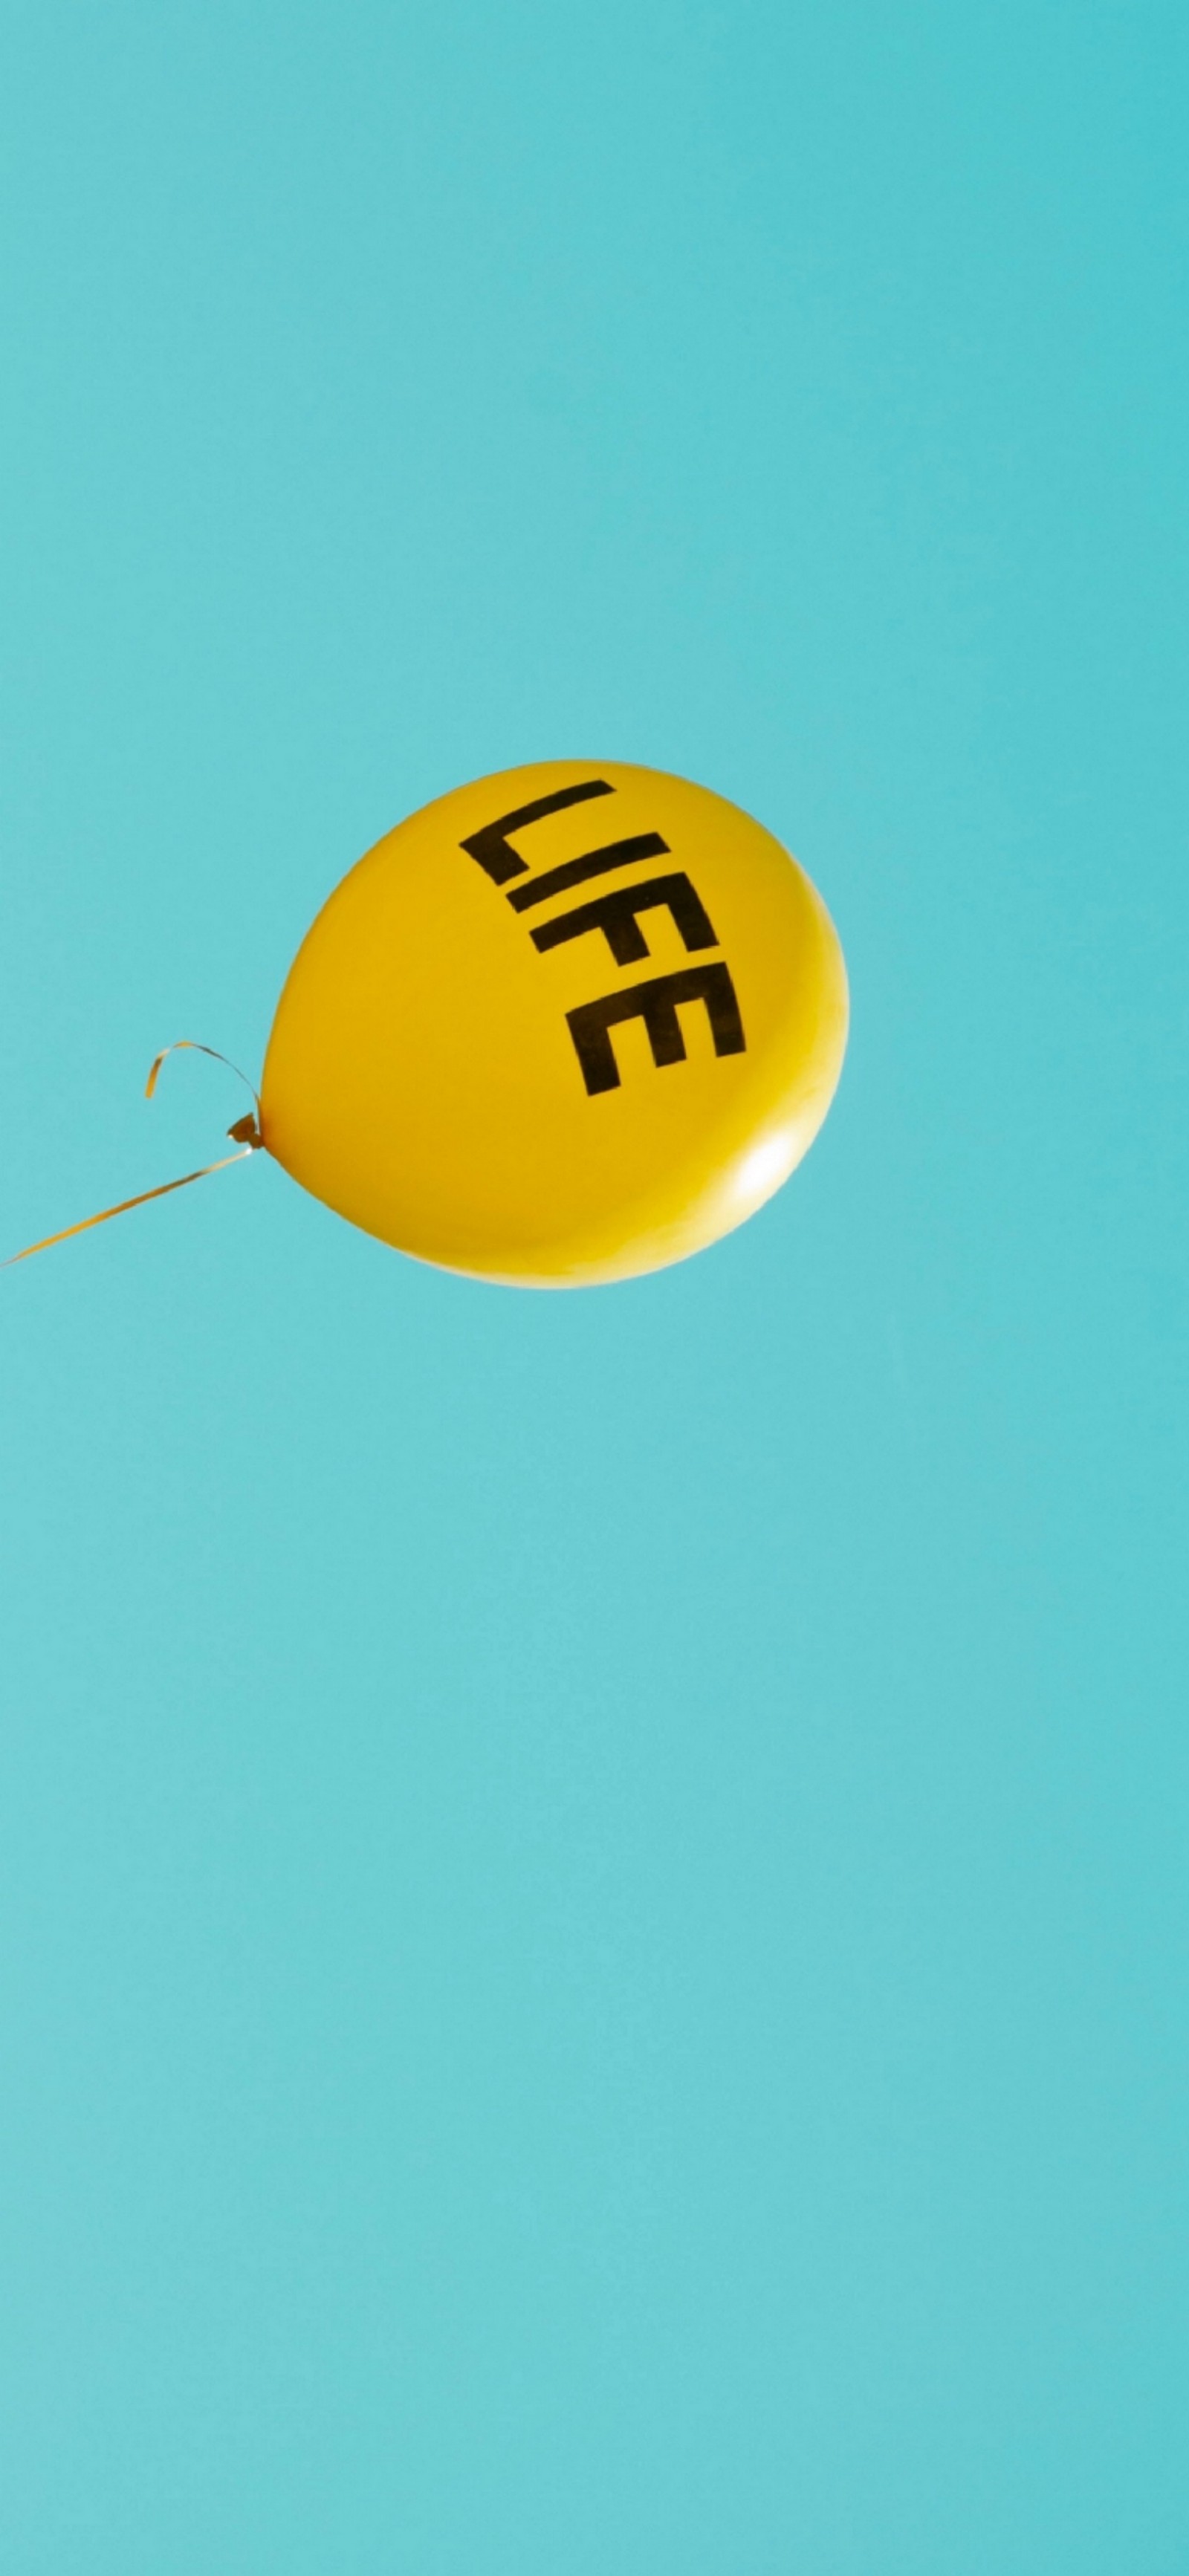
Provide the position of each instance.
(246, 1129)
(199, 1049)
(161, 1192)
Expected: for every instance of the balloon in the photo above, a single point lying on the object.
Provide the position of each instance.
(565, 1025)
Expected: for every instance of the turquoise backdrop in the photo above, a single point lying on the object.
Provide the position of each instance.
(594, 1891)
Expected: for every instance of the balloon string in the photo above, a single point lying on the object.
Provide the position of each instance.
(246, 1133)
(199, 1049)
(161, 1192)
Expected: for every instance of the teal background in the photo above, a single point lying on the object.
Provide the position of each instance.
(593, 1890)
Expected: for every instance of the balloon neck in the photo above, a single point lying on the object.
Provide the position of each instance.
(246, 1132)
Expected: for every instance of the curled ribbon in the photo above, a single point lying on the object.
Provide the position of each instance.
(246, 1132)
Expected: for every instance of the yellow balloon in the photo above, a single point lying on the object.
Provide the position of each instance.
(564, 1025)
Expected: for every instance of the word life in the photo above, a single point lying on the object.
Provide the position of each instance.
(617, 914)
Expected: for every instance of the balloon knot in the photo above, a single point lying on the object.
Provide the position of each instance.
(246, 1132)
